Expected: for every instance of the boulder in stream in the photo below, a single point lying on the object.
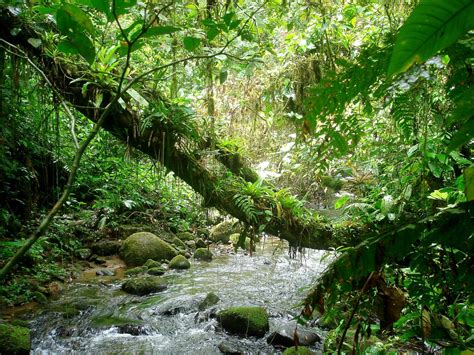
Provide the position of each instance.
(285, 336)
(14, 340)
(143, 285)
(178, 243)
(140, 247)
(203, 254)
(156, 271)
(222, 231)
(210, 300)
(179, 262)
(245, 321)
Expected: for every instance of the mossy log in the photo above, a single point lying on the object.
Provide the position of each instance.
(165, 142)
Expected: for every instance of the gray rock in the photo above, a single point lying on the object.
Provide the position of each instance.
(105, 272)
(285, 336)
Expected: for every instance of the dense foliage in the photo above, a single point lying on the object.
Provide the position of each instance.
(360, 110)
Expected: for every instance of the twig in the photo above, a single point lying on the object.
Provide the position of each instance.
(346, 328)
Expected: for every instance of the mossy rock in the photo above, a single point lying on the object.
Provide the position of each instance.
(135, 271)
(178, 243)
(245, 321)
(106, 247)
(203, 254)
(143, 285)
(185, 236)
(191, 244)
(150, 263)
(179, 262)
(210, 300)
(14, 340)
(222, 231)
(300, 350)
(234, 239)
(140, 247)
(156, 271)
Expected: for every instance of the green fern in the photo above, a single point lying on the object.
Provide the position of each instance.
(247, 205)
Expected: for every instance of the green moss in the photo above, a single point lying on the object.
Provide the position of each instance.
(210, 300)
(179, 262)
(222, 231)
(245, 321)
(178, 243)
(135, 271)
(140, 247)
(185, 236)
(156, 271)
(300, 350)
(203, 254)
(14, 340)
(144, 285)
(110, 320)
(150, 263)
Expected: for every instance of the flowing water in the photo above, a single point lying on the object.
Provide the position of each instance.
(98, 318)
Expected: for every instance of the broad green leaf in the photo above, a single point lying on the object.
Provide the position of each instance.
(464, 106)
(67, 47)
(70, 18)
(191, 43)
(122, 6)
(228, 18)
(341, 201)
(469, 183)
(80, 44)
(432, 26)
(212, 33)
(463, 136)
(234, 24)
(161, 30)
(102, 6)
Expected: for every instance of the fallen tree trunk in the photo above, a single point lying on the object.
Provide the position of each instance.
(162, 140)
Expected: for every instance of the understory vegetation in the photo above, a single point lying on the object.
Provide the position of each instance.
(346, 126)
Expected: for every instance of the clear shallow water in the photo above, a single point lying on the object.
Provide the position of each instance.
(169, 322)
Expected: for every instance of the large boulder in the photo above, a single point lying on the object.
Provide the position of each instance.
(141, 246)
(244, 321)
(143, 285)
(203, 254)
(222, 231)
(14, 340)
(179, 262)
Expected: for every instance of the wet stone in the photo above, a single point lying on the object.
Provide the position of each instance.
(285, 336)
(105, 272)
(132, 329)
